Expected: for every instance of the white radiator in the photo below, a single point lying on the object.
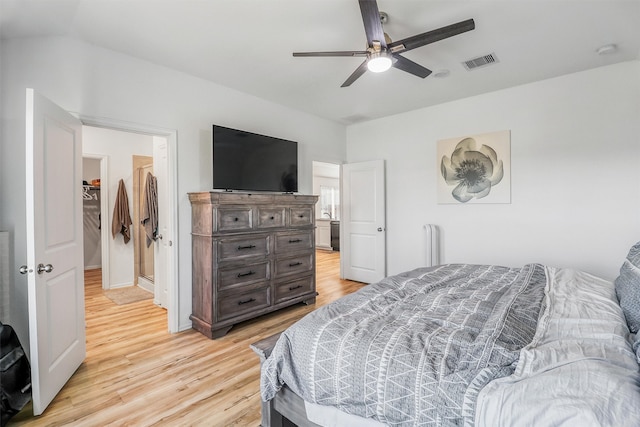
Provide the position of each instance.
(432, 238)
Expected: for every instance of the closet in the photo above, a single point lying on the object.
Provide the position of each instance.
(92, 223)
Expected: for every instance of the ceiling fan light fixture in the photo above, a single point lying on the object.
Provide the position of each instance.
(379, 62)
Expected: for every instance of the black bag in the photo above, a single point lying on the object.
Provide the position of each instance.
(15, 374)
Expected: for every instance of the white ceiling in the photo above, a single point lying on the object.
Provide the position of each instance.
(247, 44)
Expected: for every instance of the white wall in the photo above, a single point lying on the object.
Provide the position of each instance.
(120, 147)
(98, 82)
(575, 156)
(90, 169)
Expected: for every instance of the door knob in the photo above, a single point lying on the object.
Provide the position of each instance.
(24, 269)
(380, 229)
(44, 268)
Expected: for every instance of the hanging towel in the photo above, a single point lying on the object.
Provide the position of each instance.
(121, 218)
(149, 217)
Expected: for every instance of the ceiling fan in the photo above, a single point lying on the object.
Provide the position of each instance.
(382, 53)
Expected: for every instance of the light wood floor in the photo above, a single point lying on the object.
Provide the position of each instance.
(137, 374)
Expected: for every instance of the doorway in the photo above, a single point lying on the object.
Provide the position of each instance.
(326, 185)
(143, 245)
(91, 213)
(120, 264)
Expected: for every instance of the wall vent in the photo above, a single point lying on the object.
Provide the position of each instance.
(481, 61)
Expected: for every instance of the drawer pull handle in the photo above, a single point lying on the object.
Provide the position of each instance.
(246, 247)
(235, 219)
(246, 301)
(295, 264)
(272, 218)
(301, 216)
(295, 240)
(293, 288)
(250, 273)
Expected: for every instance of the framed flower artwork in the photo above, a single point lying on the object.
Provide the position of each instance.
(475, 169)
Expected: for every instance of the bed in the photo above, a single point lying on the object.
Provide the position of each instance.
(461, 344)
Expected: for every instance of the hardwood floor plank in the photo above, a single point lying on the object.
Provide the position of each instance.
(137, 374)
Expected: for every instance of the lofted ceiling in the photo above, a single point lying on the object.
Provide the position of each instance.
(247, 44)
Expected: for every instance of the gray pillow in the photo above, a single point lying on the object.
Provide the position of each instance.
(628, 288)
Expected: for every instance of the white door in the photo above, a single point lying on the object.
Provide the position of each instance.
(55, 265)
(162, 245)
(363, 234)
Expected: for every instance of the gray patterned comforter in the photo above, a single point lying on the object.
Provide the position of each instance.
(413, 349)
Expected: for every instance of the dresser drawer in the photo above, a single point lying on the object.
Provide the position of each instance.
(294, 242)
(294, 265)
(247, 246)
(234, 219)
(237, 304)
(294, 288)
(301, 217)
(271, 217)
(229, 278)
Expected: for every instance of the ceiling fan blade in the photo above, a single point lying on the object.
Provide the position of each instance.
(371, 20)
(431, 36)
(357, 73)
(410, 67)
(336, 53)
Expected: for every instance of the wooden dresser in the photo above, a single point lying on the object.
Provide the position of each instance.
(252, 254)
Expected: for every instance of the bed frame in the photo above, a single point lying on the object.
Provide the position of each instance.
(287, 408)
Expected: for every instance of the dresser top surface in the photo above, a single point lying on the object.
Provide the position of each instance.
(218, 197)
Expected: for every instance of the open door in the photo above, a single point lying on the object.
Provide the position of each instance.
(163, 245)
(55, 265)
(363, 234)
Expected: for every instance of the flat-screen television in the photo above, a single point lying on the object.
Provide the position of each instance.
(251, 162)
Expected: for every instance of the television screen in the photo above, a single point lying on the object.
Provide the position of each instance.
(251, 162)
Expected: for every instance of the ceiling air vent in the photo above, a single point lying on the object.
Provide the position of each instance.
(481, 61)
